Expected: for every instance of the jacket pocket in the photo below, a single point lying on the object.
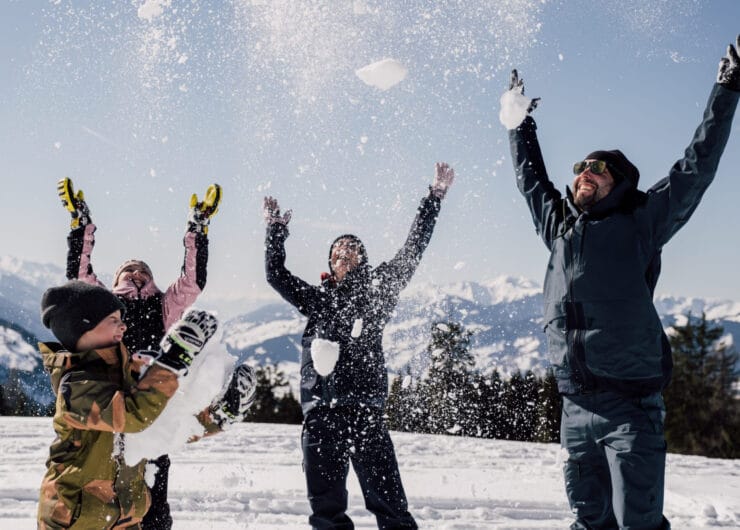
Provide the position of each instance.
(624, 352)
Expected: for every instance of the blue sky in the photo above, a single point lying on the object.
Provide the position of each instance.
(262, 98)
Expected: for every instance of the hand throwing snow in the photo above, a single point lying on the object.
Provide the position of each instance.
(444, 175)
(515, 106)
(271, 212)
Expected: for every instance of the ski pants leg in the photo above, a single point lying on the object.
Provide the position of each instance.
(614, 475)
(158, 517)
(374, 460)
(326, 464)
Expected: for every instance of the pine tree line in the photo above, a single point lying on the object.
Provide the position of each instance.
(703, 399)
(452, 397)
(455, 398)
(15, 402)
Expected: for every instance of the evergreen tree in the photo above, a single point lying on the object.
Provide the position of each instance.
(393, 407)
(703, 408)
(520, 405)
(549, 409)
(17, 403)
(405, 407)
(448, 389)
(272, 404)
(494, 408)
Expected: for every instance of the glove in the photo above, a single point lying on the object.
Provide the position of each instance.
(185, 339)
(232, 404)
(201, 212)
(729, 68)
(271, 212)
(442, 179)
(516, 83)
(74, 203)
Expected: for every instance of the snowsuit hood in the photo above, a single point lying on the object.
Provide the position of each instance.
(360, 249)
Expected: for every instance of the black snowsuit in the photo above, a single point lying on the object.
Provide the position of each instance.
(343, 411)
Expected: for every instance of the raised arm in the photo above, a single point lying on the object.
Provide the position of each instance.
(295, 291)
(81, 238)
(192, 280)
(403, 265)
(94, 403)
(672, 201)
(535, 186)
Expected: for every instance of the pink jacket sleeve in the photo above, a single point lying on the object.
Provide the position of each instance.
(184, 291)
(80, 243)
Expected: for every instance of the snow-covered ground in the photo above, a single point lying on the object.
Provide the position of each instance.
(250, 477)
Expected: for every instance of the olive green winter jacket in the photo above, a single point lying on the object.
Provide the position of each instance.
(87, 483)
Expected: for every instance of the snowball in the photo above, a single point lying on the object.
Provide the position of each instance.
(152, 9)
(382, 74)
(356, 328)
(208, 374)
(514, 107)
(324, 354)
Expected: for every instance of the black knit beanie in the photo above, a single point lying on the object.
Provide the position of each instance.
(360, 248)
(76, 307)
(619, 166)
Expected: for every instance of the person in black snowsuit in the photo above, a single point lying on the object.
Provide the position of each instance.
(343, 407)
(610, 355)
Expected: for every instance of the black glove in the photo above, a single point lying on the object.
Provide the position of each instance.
(185, 339)
(74, 203)
(201, 211)
(729, 67)
(516, 83)
(232, 404)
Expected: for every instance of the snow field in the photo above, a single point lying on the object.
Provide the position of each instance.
(250, 477)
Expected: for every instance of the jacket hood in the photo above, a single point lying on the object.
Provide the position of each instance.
(622, 197)
(361, 249)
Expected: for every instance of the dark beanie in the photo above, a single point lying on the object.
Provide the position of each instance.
(360, 248)
(619, 166)
(76, 307)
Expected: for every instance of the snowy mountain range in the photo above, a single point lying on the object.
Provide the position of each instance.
(505, 314)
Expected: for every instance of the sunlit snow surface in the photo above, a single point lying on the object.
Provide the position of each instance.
(250, 477)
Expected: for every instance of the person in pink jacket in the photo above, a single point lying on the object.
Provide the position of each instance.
(149, 311)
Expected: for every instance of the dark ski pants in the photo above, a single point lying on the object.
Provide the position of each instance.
(615, 471)
(158, 517)
(332, 437)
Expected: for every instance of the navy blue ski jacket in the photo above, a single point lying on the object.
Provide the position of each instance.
(364, 300)
(602, 328)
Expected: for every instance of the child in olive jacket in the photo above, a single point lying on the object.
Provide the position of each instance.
(102, 393)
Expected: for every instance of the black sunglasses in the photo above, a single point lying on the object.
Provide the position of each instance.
(597, 167)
